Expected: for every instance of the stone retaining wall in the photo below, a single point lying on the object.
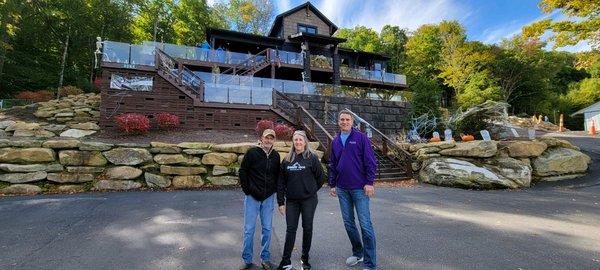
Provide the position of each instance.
(387, 116)
(492, 164)
(34, 166)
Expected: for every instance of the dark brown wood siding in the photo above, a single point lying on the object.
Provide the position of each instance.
(290, 23)
(166, 98)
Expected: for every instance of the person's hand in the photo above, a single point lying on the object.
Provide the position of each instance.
(333, 192)
(281, 209)
(369, 190)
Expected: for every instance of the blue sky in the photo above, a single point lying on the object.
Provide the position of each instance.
(485, 20)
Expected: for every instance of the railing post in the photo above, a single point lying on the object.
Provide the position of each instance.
(298, 116)
(274, 99)
(384, 146)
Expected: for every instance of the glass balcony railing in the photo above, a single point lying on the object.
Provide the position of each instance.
(372, 75)
(143, 54)
(258, 85)
(284, 57)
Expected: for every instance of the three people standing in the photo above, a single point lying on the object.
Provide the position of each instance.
(352, 169)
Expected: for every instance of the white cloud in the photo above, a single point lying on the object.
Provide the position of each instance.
(407, 13)
(497, 33)
(282, 6)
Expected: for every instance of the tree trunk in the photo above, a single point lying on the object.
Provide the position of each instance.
(62, 65)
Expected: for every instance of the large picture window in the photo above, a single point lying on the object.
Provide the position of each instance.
(303, 28)
(133, 83)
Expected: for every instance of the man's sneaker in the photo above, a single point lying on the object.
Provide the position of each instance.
(266, 265)
(285, 267)
(353, 260)
(245, 266)
(305, 265)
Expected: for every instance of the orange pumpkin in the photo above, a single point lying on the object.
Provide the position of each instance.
(435, 139)
(467, 138)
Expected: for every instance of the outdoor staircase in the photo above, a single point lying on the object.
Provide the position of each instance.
(250, 66)
(389, 167)
(179, 76)
(393, 162)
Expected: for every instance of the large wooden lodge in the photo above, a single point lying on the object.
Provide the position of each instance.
(296, 74)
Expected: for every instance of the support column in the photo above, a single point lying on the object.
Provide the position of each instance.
(336, 66)
(306, 60)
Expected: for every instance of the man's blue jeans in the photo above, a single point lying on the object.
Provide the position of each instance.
(351, 199)
(253, 208)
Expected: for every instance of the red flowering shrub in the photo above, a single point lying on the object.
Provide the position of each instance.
(284, 132)
(69, 90)
(133, 123)
(38, 96)
(262, 125)
(166, 121)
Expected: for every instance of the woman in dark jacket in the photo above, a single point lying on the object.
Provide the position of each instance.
(301, 176)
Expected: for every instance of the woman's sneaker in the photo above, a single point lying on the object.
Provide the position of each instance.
(305, 265)
(353, 260)
(285, 267)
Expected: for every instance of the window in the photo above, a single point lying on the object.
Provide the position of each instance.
(307, 29)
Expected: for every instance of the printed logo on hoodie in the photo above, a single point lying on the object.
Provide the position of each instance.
(296, 167)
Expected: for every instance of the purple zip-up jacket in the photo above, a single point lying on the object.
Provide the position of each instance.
(354, 165)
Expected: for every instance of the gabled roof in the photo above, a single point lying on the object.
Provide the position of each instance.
(592, 108)
(279, 18)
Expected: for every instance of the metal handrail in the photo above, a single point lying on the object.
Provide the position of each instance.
(168, 64)
(249, 60)
(387, 142)
(314, 124)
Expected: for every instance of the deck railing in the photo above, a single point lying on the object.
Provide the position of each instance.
(130, 54)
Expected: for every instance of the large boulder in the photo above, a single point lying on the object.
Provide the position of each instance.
(504, 173)
(65, 177)
(76, 133)
(128, 156)
(22, 168)
(116, 185)
(61, 144)
(224, 159)
(123, 173)
(480, 149)
(85, 126)
(170, 159)
(220, 170)
(19, 178)
(223, 180)
(195, 145)
(525, 149)
(438, 145)
(95, 146)
(555, 142)
(39, 133)
(25, 143)
(176, 170)
(188, 181)
(21, 189)
(26, 155)
(239, 148)
(560, 161)
(198, 152)
(81, 158)
(156, 180)
(23, 126)
(6, 123)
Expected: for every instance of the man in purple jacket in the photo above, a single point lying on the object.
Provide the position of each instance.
(352, 168)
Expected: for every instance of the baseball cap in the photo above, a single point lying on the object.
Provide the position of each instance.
(269, 131)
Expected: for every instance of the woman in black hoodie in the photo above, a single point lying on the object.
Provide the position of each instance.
(301, 176)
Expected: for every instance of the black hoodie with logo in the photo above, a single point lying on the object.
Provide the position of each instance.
(299, 179)
(259, 173)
